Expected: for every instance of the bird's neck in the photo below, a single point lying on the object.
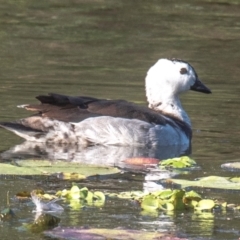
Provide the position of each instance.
(167, 104)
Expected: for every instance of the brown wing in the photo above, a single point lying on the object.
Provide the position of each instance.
(75, 109)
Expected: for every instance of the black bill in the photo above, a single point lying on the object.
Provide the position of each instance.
(200, 87)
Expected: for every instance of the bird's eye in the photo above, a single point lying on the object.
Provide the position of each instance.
(183, 70)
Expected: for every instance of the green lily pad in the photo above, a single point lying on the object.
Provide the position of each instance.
(149, 203)
(167, 206)
(205, 204)
(163, 194)
(79, 197)
(76, 204)
(58, 168)
(166, 199)
(128, 195)
(99, 196)
(74, 193)
(98, 199)
(101, 233)
(180, 162)
(177, 199)
(191, 199)
(193, 195)
(209, 182)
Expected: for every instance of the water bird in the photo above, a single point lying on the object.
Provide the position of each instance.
(87, 121)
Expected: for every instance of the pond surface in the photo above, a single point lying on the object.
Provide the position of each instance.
(104, 48)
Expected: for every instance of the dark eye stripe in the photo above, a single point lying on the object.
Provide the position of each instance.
(183, 70)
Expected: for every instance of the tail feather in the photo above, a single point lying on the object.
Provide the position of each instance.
(28, 133)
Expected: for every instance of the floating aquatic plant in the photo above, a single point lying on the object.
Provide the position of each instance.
(178, 162)
(79, 197)
(217, 182)
(170, 200)
(56, 169)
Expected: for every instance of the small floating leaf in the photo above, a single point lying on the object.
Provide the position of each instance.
(177, 199)
(61, 169)
(83, 193)
(63, 193)
(224, 205)
(99, 196)
(98, 233)
(89, 197)
(192, 204)
(205, 204)
(191, 198)
(164, 194)
(193, 195)
(71, 176)
(167, 206)
(74, 193)
(99, 199)
(149, 203)
(130, 195)
(208, 182)
(181, 162)
(79, 197)
(76, 204)
(49, 197)
(112, 195)
(235, 179)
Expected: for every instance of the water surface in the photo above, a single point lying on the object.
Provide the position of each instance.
(103, 49)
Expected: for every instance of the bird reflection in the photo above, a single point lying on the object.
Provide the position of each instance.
(97, 154)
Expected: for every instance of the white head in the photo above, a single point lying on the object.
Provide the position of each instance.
(166, 80)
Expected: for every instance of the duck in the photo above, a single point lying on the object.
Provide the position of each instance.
(86, 121)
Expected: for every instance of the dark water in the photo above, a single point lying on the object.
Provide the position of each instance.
(104, 48)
